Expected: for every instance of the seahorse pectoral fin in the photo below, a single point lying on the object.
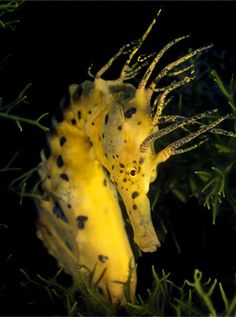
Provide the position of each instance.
(138, 210)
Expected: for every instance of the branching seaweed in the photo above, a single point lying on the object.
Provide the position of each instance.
(206, 292)
(22, 98)
(11, 6)
(80, 299)
(214, 189)
(227, 91)
(18, 120)
(165, 298)
(20, 185)
(8, 167)
(205, 177)
(8, 7)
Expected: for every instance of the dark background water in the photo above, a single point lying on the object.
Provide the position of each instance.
(52, 47)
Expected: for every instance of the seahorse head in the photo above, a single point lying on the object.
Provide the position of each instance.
(124, 125)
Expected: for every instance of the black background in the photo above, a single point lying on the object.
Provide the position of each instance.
(52, 47)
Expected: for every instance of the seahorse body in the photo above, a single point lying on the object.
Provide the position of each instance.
(103, 142)
(80, 221)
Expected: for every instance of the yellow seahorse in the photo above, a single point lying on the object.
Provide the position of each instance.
(102, 142)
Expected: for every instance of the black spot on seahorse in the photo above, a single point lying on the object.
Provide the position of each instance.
(106, 118)
(64, 176)
(57, 210)
(79, 115)
(105, 182)
(120, 127)
(103, 258)
(73, 121)
(122, 165)
(134, 195)
(130, 112)
(141, 161)
(62, 141)
(81, 221)
(135, 207)
(60, 161)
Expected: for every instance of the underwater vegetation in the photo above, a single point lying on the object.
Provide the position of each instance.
(194, 194)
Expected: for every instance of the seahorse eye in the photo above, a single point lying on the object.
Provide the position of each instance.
(133, 172)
